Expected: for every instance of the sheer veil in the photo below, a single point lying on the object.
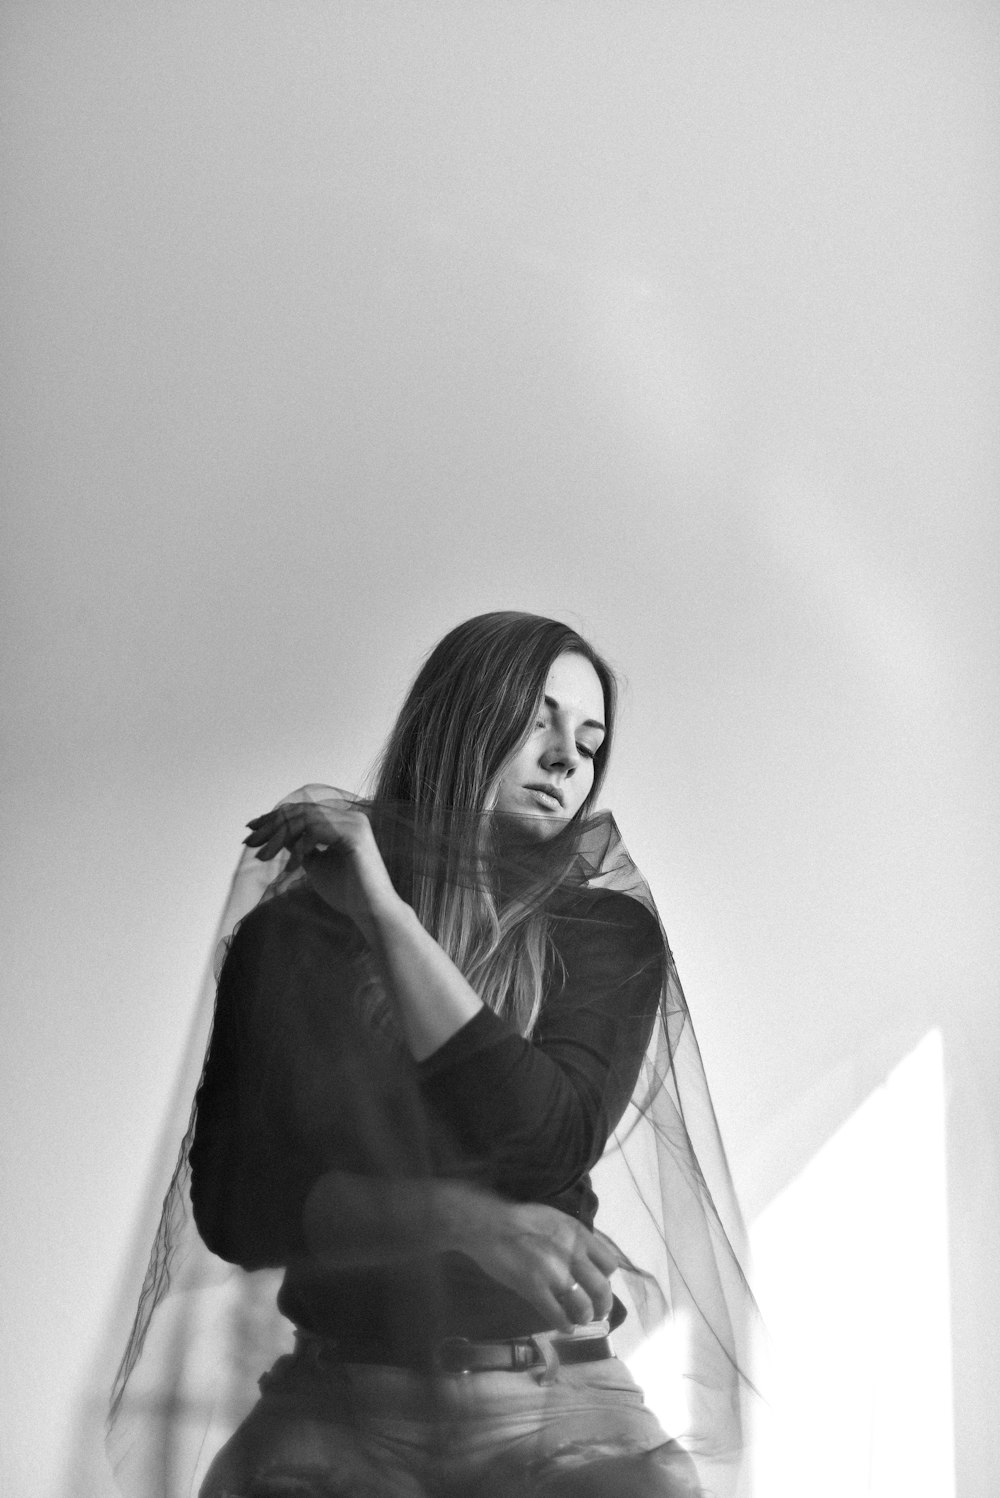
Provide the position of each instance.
(205, 1330)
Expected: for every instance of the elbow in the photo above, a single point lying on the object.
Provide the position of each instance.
(213, 1221)
(553, 1161)
(232, 1223)
(231, 1236)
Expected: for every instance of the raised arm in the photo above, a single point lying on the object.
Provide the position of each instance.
(537, 1112)
(336, 844)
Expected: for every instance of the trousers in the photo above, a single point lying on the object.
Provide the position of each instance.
(338, 1430)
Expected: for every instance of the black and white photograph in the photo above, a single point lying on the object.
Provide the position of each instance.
(500, 704)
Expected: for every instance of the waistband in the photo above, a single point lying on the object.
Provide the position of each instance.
(460, 1355)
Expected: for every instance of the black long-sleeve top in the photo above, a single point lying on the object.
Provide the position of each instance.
(301, 1079)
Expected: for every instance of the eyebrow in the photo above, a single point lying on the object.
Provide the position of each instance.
(590, 722)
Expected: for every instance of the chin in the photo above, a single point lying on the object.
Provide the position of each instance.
(531, 827)
(542, 829)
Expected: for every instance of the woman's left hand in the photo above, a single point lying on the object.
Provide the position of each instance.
(336, 847)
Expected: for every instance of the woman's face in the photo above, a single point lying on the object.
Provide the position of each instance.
(550, 776)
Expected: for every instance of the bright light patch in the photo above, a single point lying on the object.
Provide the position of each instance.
(851, 1272)
(658, 1367)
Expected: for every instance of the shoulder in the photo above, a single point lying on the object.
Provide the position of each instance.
(608, 907)
(296, 909)
(618, 925)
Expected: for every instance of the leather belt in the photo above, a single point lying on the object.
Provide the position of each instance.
(458, 1355)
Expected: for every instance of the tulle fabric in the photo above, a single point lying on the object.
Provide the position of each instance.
(205, 1330)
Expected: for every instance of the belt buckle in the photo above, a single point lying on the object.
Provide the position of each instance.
(450, 1356)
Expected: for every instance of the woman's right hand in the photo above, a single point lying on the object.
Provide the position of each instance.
(334, 843)
(545, 1256)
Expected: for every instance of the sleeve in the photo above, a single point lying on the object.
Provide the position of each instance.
(538, 1112)
(247, 1186)
(281, 1100)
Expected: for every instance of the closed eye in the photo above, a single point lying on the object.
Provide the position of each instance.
(584, 749)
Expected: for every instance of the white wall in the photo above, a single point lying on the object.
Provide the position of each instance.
(333, 323)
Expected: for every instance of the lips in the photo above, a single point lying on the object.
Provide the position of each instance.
(549, 795)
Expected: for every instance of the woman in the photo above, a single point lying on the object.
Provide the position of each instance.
(426, 1032)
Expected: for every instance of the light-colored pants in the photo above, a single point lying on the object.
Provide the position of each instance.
(323, 1429)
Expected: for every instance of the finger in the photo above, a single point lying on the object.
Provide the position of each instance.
(289, 828)
(268, 846)
(590, 1248)
(602, 1252)
(576, 1303)
(554, 1311)
(265, 827)
(284, 837)
(596, 1287)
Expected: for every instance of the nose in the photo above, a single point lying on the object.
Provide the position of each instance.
(561, 752)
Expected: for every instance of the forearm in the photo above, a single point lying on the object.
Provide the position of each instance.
(346, 869)
(350, 1219)
(538, 1111)
(537, 1251)
(433, 999)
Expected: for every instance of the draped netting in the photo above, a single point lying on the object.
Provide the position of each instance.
(206, 1329)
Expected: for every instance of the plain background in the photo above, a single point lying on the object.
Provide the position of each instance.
(330, 324)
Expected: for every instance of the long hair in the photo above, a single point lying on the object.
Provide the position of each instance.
(470, 708)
